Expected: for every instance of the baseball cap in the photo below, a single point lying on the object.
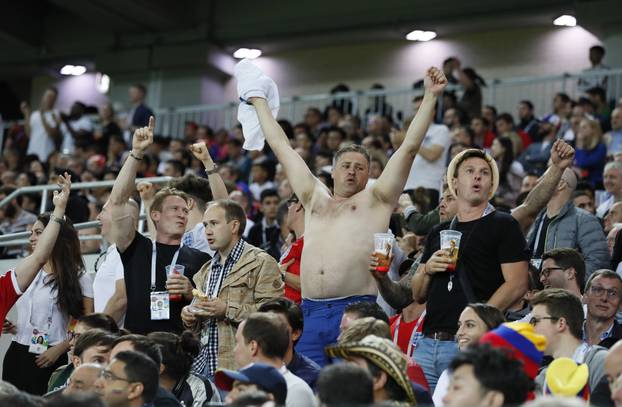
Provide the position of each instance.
(381, 352)
(265, 376)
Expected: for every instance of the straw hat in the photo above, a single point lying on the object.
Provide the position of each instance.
(451, 170)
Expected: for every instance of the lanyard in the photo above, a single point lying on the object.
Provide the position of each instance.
(396, 333)
(221, 277)
(153, 262)
(35, 286)
(537, 240)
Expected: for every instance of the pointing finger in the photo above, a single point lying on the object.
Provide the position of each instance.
(151, 123)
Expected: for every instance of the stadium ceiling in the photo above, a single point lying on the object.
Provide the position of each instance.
(36, 35)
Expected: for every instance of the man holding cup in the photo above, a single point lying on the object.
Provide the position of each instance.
(478, 256)
(230, 287)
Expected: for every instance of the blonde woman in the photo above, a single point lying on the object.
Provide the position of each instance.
(591, 152)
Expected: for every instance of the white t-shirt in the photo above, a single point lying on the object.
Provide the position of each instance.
(441, 388)
(429, 174)
(108, 272)
(40, 143)
(256, 189)
(82, 124)
(602, 209)
(196, 239)
(39, 305)
(299, 394)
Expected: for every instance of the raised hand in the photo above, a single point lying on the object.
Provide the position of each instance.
(146, 190)
(143, 137)
(435, 81)
(562, 154)
(60, 198)
(200, 152)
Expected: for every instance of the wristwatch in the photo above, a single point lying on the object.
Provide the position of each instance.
(214, 170)
(57, 219)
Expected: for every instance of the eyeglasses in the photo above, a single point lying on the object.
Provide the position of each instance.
(535, 320)
(598, 291)
(107, 375)
(547, 271)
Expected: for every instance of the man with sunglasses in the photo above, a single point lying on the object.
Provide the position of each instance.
(603, 295)
(558, 315)
(129, 380)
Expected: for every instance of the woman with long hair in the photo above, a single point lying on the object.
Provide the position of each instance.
(471, 101)
(475, 320)
(511, 172)
(178, 353)
(591, 152)
(61, 290)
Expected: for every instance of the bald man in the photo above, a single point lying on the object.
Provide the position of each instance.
(82, 380)
(562, 225)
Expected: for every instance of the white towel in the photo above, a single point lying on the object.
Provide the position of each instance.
(252, 82)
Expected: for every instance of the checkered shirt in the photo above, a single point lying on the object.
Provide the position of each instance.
(208, 357)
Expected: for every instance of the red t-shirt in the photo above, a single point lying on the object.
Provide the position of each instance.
(9, 293)
(404, 335)
(294, 252)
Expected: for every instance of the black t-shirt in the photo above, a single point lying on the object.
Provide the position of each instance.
(137, 273)
(486, 243)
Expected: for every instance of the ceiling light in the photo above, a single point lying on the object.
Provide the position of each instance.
(102, 82)
(247, 53)
(75, 70)
(565, 21)
(419, 35)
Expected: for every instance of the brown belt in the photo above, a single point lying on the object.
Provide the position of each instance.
(440, 336)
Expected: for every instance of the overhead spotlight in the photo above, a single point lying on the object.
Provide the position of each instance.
(102, 82)
(249, 53)
(75, 70)
(565, 21)
(420, 35)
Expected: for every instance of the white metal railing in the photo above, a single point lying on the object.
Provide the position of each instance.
(502, 93)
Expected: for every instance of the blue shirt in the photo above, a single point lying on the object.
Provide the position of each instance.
(304, 368)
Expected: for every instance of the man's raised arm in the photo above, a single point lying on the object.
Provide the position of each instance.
(392, 180)
(125, 184)
(562, 157)
(302, 180)
(216, 184)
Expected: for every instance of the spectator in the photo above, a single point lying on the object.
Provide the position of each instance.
(178, 353)
(474, 321)
(603, 296)
(429, 165)
(256, 376)
(15, 219)
(471, 101)
(453, 118)
(82, 380)
(558, 315)
(361, 309)
(489, 113)
(511, 172)
(292, 257)
(260, 178)
(536, 157)
(483, 134)
(62, 277)
(584, 200)
(505, 127)
(613, 138)
(612, 217)
(527, 121)
(451, 68)
(77, 129)
(265, 234)
(387, 366)
(345, 384)
(360, 328)
(91, 347)
(529, 182)
(482, 375)
(139, 113)
(42, 127)
(499, 280)
(235, 282)
(564, 269)
(297, 363)
(237, 159)
(598, 97)
(106, 127)
(561, 225)
(596, 55)
(560, 101)
(613, 369)
(129, 380)
(86, 399)
(264, 338)
(612, 181)
(591, 152)
(144, 269)
(173, 168)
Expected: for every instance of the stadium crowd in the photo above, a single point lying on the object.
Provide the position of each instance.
(458, 257)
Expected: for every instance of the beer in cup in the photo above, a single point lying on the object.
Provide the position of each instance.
(450, 241)
(383, 247)
(174, 269)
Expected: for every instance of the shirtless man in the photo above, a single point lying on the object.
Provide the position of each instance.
(339, 229)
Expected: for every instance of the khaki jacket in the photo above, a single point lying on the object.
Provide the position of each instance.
(253, 280)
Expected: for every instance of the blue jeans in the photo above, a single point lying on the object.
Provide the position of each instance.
(434, 357)
(321, 325)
